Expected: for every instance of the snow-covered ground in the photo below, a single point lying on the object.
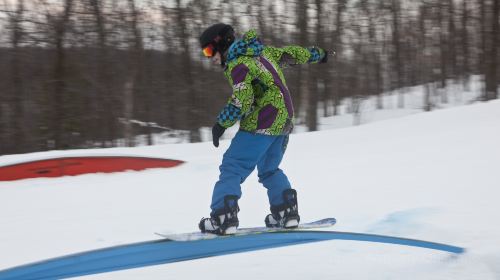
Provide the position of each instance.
(432, 176)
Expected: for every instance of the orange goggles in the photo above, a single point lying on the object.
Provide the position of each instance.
(209, 50)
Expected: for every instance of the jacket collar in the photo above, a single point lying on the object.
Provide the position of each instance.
(249, 45)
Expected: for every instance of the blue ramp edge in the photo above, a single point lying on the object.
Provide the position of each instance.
(169, 251)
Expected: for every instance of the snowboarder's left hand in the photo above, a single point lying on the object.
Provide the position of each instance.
(327, 53)
(217, 132)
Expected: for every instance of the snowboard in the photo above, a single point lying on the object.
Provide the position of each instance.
(323, 223)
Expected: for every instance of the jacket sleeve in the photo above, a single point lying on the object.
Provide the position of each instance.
(240, 102)
(297, 55)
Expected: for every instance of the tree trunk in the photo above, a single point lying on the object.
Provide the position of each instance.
(316, 75)
(18, 126)
(396, 42)
(484, 35)
(59, 78)
(136, 65)
(303, 109)
(192, 115)
(128, 110)
(426, 64)
(105, 115)
(378, 79)
(465, 46)
(452, 41)
(443, 53)
(337, 46)
(492, 53)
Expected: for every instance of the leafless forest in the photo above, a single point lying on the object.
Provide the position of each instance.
(95, 73)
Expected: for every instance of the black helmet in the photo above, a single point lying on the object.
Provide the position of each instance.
(220, 34)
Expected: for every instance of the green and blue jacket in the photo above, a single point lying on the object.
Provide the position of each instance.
(261, 100)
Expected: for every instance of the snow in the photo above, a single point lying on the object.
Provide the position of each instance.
(432, 176)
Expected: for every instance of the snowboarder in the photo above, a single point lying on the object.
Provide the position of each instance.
(263, 105)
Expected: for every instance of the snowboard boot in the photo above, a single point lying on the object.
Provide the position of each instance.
(223, 221)
(285, 215)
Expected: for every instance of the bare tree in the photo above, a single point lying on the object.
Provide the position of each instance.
(14, 116)
(465, 44)
(371, 52)
(59, 24)
(105, 115)
(484, 37)
(315, 76)
(425, 58)
(187, 73)
(376, 53)
(133, 86)
(396, 43)
(443, 46)
(452, 40)
(303, 92)
(337, 44)
(491, 51)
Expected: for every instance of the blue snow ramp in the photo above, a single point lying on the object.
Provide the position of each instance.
(169, 251)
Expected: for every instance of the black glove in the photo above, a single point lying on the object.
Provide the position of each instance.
(217, 132)
(325, 58)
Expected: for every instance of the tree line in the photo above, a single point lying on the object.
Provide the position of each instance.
(97, 73)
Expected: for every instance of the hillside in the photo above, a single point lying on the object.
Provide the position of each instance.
(431, 176)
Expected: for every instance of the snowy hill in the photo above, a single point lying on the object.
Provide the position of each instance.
(432, 176)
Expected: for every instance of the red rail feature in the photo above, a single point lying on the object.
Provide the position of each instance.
(58, 167)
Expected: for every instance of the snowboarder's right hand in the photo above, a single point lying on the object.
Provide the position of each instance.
(217, 132)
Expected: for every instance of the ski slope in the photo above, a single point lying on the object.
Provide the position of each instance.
(432, 176)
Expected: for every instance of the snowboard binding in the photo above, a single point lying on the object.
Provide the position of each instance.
(285, 215)
(224, 221)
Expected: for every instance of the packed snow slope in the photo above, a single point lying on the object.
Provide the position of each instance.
(432, 176)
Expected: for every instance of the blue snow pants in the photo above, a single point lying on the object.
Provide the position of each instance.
(246, 151)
